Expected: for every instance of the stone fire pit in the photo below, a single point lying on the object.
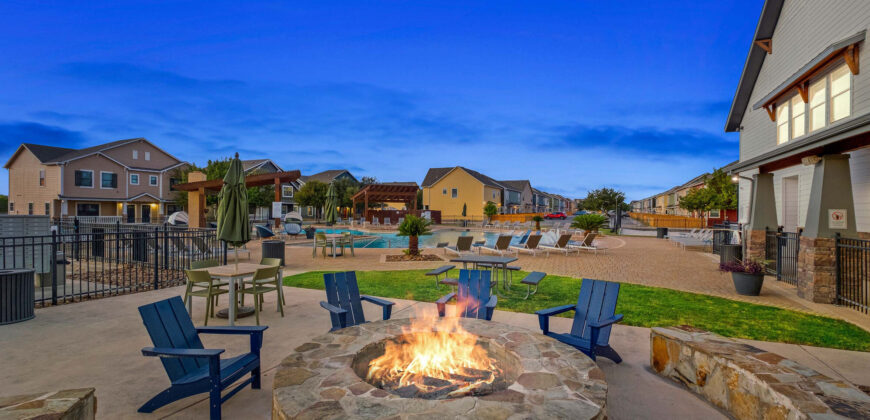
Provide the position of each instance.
(545, 378)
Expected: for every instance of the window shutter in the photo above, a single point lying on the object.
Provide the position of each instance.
(114, 180)
(78, 178)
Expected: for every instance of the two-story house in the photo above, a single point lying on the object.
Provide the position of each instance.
(449, 189)
(541, 201)
(802, 109)
(128, 178)
(517, 196)
(263, 166)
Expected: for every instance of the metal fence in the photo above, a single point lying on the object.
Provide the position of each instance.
(853, 273)
(724, 236)
(781, 254)
(101, 261)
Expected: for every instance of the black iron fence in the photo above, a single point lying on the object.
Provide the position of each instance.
(781, 253)
(853, 273)
(99, 261)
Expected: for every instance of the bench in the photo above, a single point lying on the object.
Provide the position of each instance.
(533, 279)
(443, 270)
(748, 382)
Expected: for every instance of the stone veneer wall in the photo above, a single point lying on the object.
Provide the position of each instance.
(756, 244)
(817, 270)
(748, 382)
(70, 404)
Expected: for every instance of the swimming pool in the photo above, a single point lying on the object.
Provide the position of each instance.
(392, 240)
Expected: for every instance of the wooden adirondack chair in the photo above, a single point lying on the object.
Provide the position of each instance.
(473, 290)
(191, 368)
(593, 318)
(344, 302)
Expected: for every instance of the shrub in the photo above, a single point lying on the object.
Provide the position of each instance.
(748, 267)
(413, 227)
(588, 222)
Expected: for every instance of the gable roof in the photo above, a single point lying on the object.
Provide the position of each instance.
(326, 176)
(435, 174)
(517, 185)
(51, 155)
(46, 153)
(251, 164)
(754, 60)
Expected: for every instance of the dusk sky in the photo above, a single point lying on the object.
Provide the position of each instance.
(572, 95)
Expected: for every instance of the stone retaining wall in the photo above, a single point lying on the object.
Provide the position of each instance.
(748, 382)
(70, 404)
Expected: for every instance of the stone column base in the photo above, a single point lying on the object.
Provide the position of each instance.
(817, 270)
(756, 244)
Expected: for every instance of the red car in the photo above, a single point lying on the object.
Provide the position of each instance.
(556, 215)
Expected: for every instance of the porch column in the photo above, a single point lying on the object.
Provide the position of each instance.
(196, 201)
(831, 210)
(762, 215)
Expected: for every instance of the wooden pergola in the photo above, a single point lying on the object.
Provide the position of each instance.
(386, 193)
(199, 188)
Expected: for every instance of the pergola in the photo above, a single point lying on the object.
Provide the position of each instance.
(199, 188)
(384, 193)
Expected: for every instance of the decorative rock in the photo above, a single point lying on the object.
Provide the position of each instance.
(538, 380)
(70, 404)
(748, 382)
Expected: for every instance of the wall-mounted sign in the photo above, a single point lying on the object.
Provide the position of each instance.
(276, 209)
(837, 219)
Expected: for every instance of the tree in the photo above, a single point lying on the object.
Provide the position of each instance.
(603, 199)
(490, 209)
(313, 194)
(419, 199)
(718, 192)
(588, 222)
(345, 188)
(366, 180)
(413, 227)
(261, 196)
(4, 204)
(538, 219)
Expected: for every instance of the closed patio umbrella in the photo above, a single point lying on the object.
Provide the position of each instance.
(331, 213)
(232, 213)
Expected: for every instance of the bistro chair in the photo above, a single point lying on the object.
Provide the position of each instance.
(265, 280)
(211, 290)
(346, 241)
(320, 241)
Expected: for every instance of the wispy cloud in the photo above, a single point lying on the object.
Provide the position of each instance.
(12, 134)
(648, 141)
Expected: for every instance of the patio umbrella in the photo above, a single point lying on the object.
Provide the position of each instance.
(232, 213)
(331, 213)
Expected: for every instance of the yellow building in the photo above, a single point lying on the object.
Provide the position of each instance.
(448, 189)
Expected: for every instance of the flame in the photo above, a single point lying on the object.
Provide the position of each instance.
(446, 352)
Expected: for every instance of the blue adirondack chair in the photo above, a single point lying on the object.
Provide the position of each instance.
(473, 289)
(344, 302)
(191, 368)
(593, 318)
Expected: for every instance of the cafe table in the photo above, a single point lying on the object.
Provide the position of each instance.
(493, 260)
(233, 273)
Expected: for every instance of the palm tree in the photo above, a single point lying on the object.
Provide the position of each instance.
(413, 227)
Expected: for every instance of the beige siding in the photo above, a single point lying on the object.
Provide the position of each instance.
(124, 154)
(97, 164)
(144, 185)
(860, 165)
(24, 185)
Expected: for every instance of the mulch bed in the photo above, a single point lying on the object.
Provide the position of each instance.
(406, 258)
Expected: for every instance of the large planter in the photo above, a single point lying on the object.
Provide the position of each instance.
(747, 284)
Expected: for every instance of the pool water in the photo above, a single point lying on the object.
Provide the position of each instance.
(392, 240)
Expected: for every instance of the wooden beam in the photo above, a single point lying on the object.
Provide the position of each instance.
(277, 198)
(851, 56)
(803, 89)
(771, 111)
(765, 45)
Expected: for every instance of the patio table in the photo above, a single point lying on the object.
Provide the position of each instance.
(230, 273)
(487, 259)
(333, 238)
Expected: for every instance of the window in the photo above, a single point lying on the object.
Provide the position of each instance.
(87, 209)
(454, 193)
(173, 182)
(134, 179)
(494, 194)
(841, 93)
(152, 180)
(47, 209)
(135, 154)
(798, 120)
(287, 191)
(782, 123)
(84, 178)
(108, 180)
(818, 97)
(11, 207)
(310, 210)
(147, 155)
(29, 208)
(444, 191)
(714, 213)
(42, 177)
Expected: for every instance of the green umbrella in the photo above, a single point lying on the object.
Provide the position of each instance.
(232, 213)
(331, 213)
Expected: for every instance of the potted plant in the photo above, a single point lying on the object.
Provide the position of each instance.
(538, 219)
(413, 227)
(748, 276)
(309, 232)
(589, 222)
(490, 210)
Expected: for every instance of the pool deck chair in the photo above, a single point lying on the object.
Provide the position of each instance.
(594, 314)
(463, 244)
(588, 244)
(473, 299)
(561, 245)
(502, 245)
(531, 246)
(344, 302)
(191, 368)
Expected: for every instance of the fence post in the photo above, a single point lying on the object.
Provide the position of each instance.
(53, 268)
(156, 259)
(837, 264)
(165, 247)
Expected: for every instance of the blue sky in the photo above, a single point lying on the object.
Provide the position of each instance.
(572, 95)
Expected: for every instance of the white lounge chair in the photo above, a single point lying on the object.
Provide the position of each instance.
(463, 245)
(561, 245)
(375, 223)
(502, 245)
(387, 222)
(531, 246)
(588, 244)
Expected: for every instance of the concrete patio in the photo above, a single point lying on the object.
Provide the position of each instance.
(97, 343)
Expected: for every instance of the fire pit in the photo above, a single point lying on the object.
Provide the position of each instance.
(445, 368)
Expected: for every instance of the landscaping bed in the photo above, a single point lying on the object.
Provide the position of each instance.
(643, 306)
(406, 258)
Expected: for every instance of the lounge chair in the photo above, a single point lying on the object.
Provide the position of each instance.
(375, 223)
(587, 243)
(531, 246)
(399, 223)
(502, 245)
(561, 245)
(387, 222)
(463, 245)
(495, 225)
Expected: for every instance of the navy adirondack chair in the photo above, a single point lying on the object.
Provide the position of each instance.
(593, 318)
(473, 299)
(191, 368)
(344, 302)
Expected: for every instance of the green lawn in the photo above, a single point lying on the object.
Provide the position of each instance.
(642, 306)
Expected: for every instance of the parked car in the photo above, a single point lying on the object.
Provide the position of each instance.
(556, 215)
(580, 212)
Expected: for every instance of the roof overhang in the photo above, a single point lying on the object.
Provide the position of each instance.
(379, 193)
